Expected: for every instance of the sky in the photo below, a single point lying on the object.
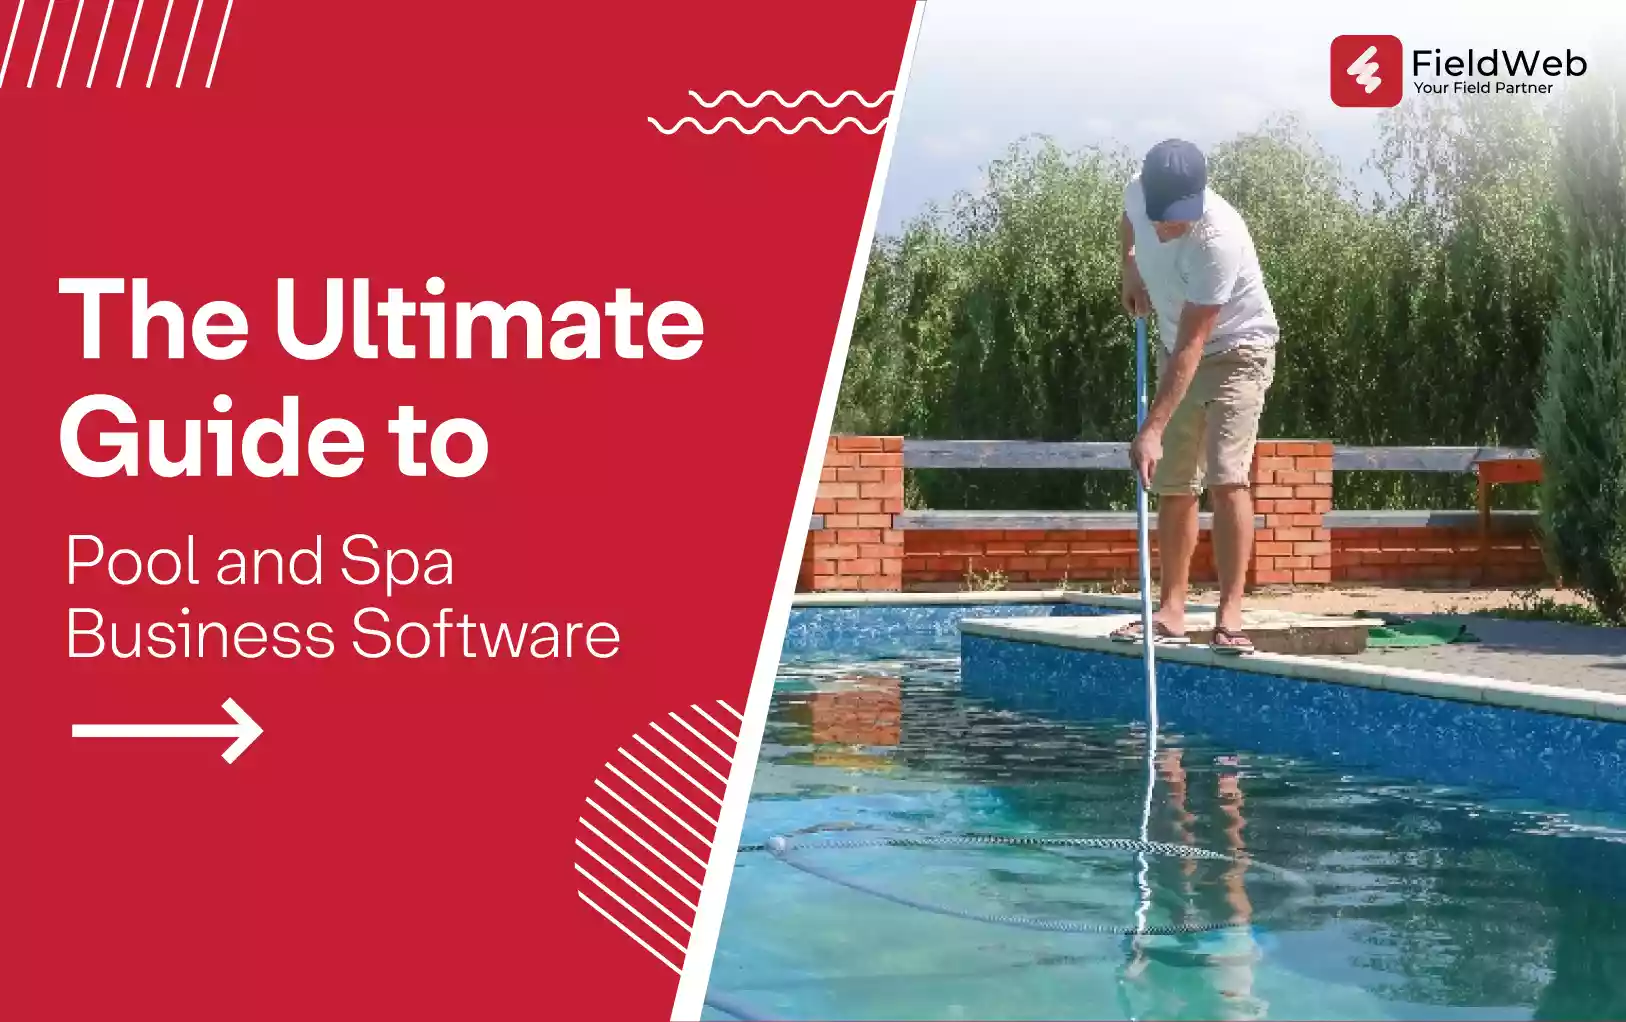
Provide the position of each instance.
(1089, 73)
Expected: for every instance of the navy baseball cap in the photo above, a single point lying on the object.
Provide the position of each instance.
(1174, 177)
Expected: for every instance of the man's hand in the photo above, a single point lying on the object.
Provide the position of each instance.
(1145, 451)
(1136, 301)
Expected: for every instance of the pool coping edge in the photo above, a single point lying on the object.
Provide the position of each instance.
(961, 598)
(1404, 680)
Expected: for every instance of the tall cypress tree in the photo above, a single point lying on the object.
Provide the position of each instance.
(1582, 415)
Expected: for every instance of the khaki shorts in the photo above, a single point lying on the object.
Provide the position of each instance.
(1210, 438)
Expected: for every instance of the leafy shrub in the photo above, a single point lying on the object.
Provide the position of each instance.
(1583, 407)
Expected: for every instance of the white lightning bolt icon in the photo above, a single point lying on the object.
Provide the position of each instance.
(1365, 70)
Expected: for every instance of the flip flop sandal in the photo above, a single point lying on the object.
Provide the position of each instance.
(1237, 644)
(1162, 634)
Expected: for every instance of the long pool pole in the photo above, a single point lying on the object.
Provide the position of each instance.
(1148, 646)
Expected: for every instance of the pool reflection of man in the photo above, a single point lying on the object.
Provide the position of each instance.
(1206, 975)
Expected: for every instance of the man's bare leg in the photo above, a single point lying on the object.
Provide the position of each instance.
(1233, 547)
(1176, 543)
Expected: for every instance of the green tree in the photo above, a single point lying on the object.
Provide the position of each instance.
(1414, 316)
(1583, 406)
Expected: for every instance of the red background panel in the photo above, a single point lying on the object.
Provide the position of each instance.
(398, 844)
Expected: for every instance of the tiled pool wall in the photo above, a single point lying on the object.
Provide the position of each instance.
(879, 629)
(1566, 761)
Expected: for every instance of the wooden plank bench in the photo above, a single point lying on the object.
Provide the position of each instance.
(1494, 466)
(1066, 455)
(1033, 521)
(1088, 455)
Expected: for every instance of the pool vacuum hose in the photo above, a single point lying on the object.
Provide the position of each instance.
(786, 849)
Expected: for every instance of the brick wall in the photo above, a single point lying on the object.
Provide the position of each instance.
(1292, 489)
(860, 490)
(944, 559)
(1437, 557)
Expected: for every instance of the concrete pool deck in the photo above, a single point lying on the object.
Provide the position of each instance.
(1573, 669)
(1533, 652)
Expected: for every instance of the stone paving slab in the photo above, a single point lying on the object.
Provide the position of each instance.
(1533, 652)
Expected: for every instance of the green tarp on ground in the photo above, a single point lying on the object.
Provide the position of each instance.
(1399, 632)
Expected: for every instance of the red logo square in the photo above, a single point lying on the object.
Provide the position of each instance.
(1367, 70)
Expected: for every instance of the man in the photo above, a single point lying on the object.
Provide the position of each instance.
(1188, 256)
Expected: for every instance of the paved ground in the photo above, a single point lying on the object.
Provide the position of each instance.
(1535, 652)
(1395, 601)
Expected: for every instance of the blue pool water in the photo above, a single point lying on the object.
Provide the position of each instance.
(1411, 898)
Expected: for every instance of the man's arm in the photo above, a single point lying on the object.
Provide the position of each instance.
(1196, 324)
(1136, 301)
(1211, 281)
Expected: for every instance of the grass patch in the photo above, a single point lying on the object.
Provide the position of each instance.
(990, 581)
(1116, 587)
(1533, 606)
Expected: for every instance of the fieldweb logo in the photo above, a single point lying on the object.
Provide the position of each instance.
(1367, 70)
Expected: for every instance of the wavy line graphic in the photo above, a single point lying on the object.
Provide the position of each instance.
(714, 129)
(828, 104)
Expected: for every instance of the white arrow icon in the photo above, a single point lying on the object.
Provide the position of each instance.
(245, 731)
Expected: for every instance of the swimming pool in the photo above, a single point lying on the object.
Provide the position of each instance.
(1424, 900)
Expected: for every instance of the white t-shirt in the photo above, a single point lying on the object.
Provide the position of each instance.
(1214, 263)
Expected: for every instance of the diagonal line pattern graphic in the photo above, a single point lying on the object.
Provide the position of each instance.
(634, 847)
(65, 45)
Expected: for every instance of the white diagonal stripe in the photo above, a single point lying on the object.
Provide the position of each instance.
(622, 927)
(680, 771)
(73, 33)
(673, 891)
(16, 20)
(714, 723)
(689, 752)
(649, 822)
(196, 13)
(157, 50)
(135, 24)
(663, 782)
(658, 804)
(690, 728)
(101, 37)
(731, 709)
(642, 893)
(46, 27)
(225, 20)
(639, 838)
(623, 903)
